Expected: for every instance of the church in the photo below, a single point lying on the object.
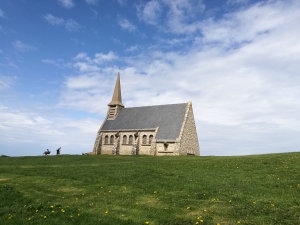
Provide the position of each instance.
(157, 130)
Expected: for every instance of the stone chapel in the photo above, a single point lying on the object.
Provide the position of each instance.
(148, 130)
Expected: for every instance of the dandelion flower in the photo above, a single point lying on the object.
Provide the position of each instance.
(146, 222)
(45, 217)
(197, 222)
(204, 210)
(62, 210)
(106, 212)
(29, 218)
(51, 206)
(272, 205)
(238, 222)
(188, 208)
(201, 221)
(155, 192)
(254, 203)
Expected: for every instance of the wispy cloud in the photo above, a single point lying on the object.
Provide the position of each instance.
(92, 2)
(126, 25)
(2, 14)
(66, 3)
(70, 24)
(23, 47)
(56, 21)
(6, 82)
(122, 2)
(50, 61)
(150, 12)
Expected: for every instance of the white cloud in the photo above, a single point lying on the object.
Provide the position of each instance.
(73, 135)
(240, 27)
(100, 57)
(241, 75)
(66, 3)
(23, 47)
(85, 64)
(127, 25)
(132, 48)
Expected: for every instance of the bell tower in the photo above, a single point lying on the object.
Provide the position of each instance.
(116, 102)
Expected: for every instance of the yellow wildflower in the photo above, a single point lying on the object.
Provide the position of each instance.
(188, 208)
(45, 217)
(51, 206)
(155, 192)
(201, 221)
(146, 222)
(36, 210)
(106, 212)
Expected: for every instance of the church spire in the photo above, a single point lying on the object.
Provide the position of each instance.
(117, 96)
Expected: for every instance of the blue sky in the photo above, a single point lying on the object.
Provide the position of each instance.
(238, 61)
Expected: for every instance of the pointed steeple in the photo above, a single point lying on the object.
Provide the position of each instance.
(117, 96)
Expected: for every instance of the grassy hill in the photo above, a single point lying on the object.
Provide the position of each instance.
(262, 189)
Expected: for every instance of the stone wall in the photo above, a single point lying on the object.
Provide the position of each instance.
(123, 147)
(189, 144)
(166, 148)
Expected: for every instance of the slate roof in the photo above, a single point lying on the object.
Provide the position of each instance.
(168, 118)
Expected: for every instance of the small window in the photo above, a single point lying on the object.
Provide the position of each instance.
(106, 140)
(144, 139)
(150, 139)
(112, 139)
(130, 139)
(124, 140)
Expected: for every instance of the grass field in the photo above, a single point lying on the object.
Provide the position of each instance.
(261, 189)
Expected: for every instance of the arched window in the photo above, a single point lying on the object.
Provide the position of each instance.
(144, 139)
(150, 139)
(130, 139)
(112, 139)
(106, 140)
(124, 140)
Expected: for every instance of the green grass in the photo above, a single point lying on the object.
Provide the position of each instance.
(262, 189)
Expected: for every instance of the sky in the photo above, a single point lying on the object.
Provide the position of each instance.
(238, 61)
